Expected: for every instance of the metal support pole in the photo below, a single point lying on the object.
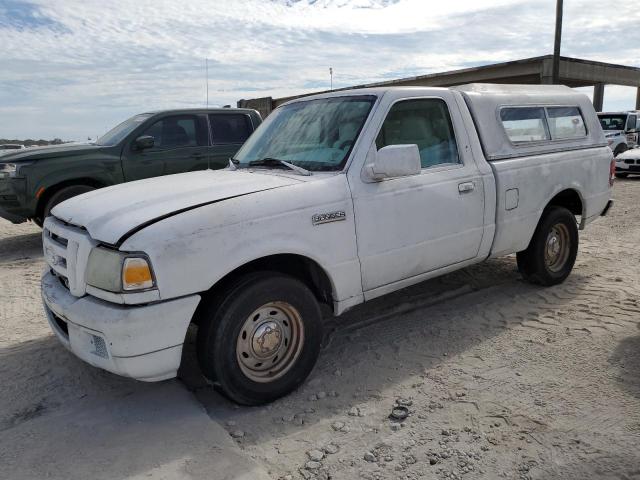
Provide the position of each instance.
(598, 96)
(556, 45)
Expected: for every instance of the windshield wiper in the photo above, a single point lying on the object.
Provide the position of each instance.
(269, 161)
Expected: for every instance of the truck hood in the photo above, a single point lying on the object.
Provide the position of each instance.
(111, 214)
(51, 151)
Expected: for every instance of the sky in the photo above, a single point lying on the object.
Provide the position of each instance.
(74, 69)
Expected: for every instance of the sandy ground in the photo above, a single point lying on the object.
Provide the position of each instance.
(501, 379)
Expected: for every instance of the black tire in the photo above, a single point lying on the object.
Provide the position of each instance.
(225, 320)
(532, 262)
(622, 175)
(60, 196)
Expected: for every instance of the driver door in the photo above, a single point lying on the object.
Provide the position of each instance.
(409, 226)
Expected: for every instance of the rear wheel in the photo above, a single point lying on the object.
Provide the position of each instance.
(551, 254)
(60, 196)
(260, 338)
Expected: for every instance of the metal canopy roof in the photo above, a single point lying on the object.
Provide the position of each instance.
(574, 72)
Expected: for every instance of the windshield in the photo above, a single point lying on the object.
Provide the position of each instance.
(117, 133)
(313, 134)
(613, 122)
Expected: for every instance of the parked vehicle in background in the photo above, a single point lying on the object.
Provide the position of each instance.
(628, 163)
(33, 181)
(621, 129)
(7, 148)
(335, 200)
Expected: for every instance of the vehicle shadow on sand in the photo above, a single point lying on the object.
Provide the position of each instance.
(63, 419)
(378, 345)
(627, 358)
(26, 246)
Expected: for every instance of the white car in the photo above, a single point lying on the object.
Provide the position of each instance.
(628, 163)
(620, 129)
(336, 199)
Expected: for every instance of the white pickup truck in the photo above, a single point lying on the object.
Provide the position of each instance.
(336, 199)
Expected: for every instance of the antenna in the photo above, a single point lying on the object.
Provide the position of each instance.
(206, 66)
(331, 76)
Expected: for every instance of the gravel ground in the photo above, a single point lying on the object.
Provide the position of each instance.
(498, 378)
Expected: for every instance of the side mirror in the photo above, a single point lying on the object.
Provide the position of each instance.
(143, 142)
(394, 161)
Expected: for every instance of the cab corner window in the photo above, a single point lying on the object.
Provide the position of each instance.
(230, 127)
(177, 132)
(524, 124)
(425, 123)
(566, 122)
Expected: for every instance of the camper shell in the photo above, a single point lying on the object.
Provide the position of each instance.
(488, 102)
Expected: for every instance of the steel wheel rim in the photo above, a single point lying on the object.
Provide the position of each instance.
(557, 248)
(270, 341)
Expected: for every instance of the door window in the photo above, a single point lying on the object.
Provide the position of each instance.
(178, 131)
(230, 128)
(631, 122)
(425, 123)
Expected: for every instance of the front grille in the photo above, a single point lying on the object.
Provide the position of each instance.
(630, 162)
(66, 250)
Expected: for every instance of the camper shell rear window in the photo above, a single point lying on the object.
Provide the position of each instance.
(539, 124)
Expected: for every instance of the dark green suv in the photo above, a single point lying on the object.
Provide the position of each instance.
(33, 181)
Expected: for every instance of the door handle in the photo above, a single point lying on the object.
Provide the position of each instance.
(466, 187)
(198, 156)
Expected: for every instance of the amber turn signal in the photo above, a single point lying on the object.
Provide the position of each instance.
(136, 274)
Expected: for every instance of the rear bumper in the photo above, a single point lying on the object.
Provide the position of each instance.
(607, 208)
(141, 342)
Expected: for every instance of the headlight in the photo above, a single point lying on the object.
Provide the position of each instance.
(12, 169)
(119, 272)
(8, 170)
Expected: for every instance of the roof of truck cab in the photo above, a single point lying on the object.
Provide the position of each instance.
(201, 110)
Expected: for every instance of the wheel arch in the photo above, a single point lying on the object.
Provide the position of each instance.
(569, 198)
(51, 190)
(301, 267)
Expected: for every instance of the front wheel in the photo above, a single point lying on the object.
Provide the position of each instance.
(551, 254)
(622, 175)
(261, 338)
(60, 196)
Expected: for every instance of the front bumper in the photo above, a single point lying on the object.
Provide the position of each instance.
(626, 168)
(141, 342)
(12, 195)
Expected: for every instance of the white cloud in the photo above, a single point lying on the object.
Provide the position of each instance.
(81, 66)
